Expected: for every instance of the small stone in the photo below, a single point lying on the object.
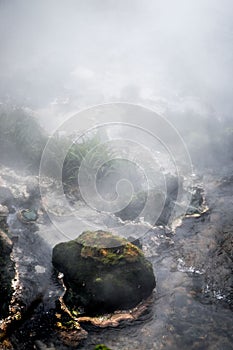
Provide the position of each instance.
(27, 215)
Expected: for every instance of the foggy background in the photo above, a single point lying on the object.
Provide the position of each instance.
(175, 56)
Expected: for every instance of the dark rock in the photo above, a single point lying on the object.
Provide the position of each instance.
(135, 241)
(6, 196)
(197, 201)
(134, 209)
(103, 272)
(6, 274)
(172, 185)
(3, 216)
(161, 203)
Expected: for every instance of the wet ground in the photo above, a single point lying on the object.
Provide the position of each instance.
(192, 306)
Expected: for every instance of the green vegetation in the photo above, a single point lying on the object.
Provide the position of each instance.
(95, 155)
(22, 140)
(101, 347)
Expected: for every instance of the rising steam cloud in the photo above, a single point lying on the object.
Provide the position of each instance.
(170, 54)
(58, 57)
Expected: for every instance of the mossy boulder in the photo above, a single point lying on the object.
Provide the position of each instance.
(103, 272)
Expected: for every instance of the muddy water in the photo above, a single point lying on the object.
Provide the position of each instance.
(193, 266)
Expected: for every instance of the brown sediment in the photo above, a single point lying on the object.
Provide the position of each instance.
(114, 319)
(71, 333)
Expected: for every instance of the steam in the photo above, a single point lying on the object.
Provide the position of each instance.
(176, 57)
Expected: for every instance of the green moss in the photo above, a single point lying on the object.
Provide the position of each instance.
(100, 239)
(98, 280)
(21, 138)
(101, 347)
(107, 248)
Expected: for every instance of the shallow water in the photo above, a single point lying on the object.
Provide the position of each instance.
(193, 267)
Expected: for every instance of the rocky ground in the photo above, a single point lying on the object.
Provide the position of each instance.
(198, 252)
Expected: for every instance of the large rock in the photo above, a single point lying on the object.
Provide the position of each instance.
(103, 272)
